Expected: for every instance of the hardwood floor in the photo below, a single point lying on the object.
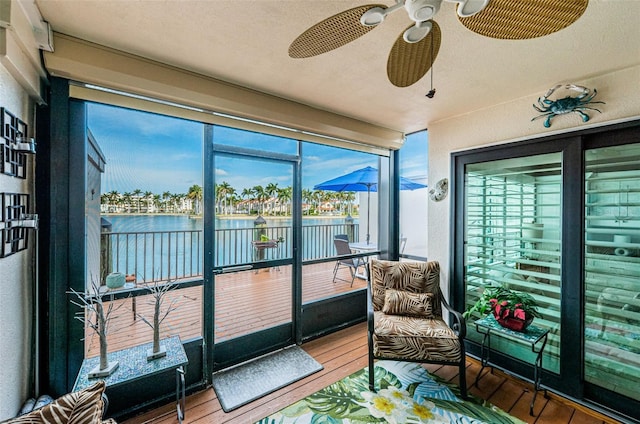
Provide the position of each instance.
(345, 352)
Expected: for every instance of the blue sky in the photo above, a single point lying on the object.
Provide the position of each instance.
(157, 153)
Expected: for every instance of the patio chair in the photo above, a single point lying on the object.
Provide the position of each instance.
(404, 317)
(342, 248)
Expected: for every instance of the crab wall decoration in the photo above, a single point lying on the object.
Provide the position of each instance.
(578, 104)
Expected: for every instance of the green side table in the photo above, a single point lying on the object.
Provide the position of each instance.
(534, 336)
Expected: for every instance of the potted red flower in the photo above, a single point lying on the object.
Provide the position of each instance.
(512, 309)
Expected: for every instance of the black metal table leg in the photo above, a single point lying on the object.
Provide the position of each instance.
(485, 350)
(180, 394)
(537, 374)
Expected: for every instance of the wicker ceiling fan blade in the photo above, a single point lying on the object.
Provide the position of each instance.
(521, 20)
(408, 62)
(333, 32)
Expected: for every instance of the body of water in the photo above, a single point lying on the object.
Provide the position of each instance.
(157, 247)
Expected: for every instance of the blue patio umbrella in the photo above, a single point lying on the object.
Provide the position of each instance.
(364, 179)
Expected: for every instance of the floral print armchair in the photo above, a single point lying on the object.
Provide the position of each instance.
(405, 318)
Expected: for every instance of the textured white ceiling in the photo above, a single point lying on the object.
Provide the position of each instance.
(246, 42)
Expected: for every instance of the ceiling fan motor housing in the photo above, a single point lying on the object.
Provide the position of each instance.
(422, 10)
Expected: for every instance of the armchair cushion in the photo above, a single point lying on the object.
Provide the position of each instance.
(406, 276)
(84, 406)
(416, 339)
(401, 302)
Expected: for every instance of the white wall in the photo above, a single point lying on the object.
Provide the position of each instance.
(16, 277)
(413, 226)
(509, 122)
(20, 79)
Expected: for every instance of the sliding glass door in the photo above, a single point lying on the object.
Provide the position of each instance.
(612, 269)
(558, 219)
(512, 239)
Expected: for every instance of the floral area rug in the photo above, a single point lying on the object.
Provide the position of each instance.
(407, 394)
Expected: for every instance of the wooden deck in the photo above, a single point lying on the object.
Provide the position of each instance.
(345, 352)
(264, 298)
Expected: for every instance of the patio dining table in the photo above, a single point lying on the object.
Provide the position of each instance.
(362, 247)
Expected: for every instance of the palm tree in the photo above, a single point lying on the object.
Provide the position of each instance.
(114, 199)
(231, 196)
(222, 192)
(195, 194)
(126, 199)
(233, 200)
(175, 199)
(104, 200)
(247, 193)
(316, 199)
(137, 192)
(217, 194)
(307, 197)
(166, 196)
(148, 197)
(285, 195)
(272, 191)
(325, 197)
(336, 201)
(350, 197)
(260, 195)
(156, 201)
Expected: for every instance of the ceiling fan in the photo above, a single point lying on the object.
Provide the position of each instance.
(415, 50)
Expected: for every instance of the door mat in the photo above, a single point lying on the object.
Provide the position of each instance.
(409, 394)
(241, 384)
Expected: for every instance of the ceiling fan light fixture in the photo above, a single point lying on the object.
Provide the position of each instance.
(425, 13)
(468, 8)
(422, 10)
(373, 16)
(417, 32)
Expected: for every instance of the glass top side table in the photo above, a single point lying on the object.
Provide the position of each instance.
(133, 365)
(534, 336)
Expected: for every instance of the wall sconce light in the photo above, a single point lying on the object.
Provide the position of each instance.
(25, 145)
(28, 220)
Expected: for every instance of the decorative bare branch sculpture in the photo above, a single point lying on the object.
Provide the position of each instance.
(97, 319)
(158, 291)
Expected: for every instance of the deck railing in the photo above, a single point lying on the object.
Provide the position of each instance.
(172, 255)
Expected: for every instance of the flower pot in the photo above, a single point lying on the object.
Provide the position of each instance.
(115, 280)
(515, 319)
(513, 323)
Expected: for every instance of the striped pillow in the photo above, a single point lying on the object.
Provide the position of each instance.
(80, 407)
(400, 302)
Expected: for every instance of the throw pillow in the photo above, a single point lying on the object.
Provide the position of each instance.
(84, 406)
(400, 302)
(408, 276)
